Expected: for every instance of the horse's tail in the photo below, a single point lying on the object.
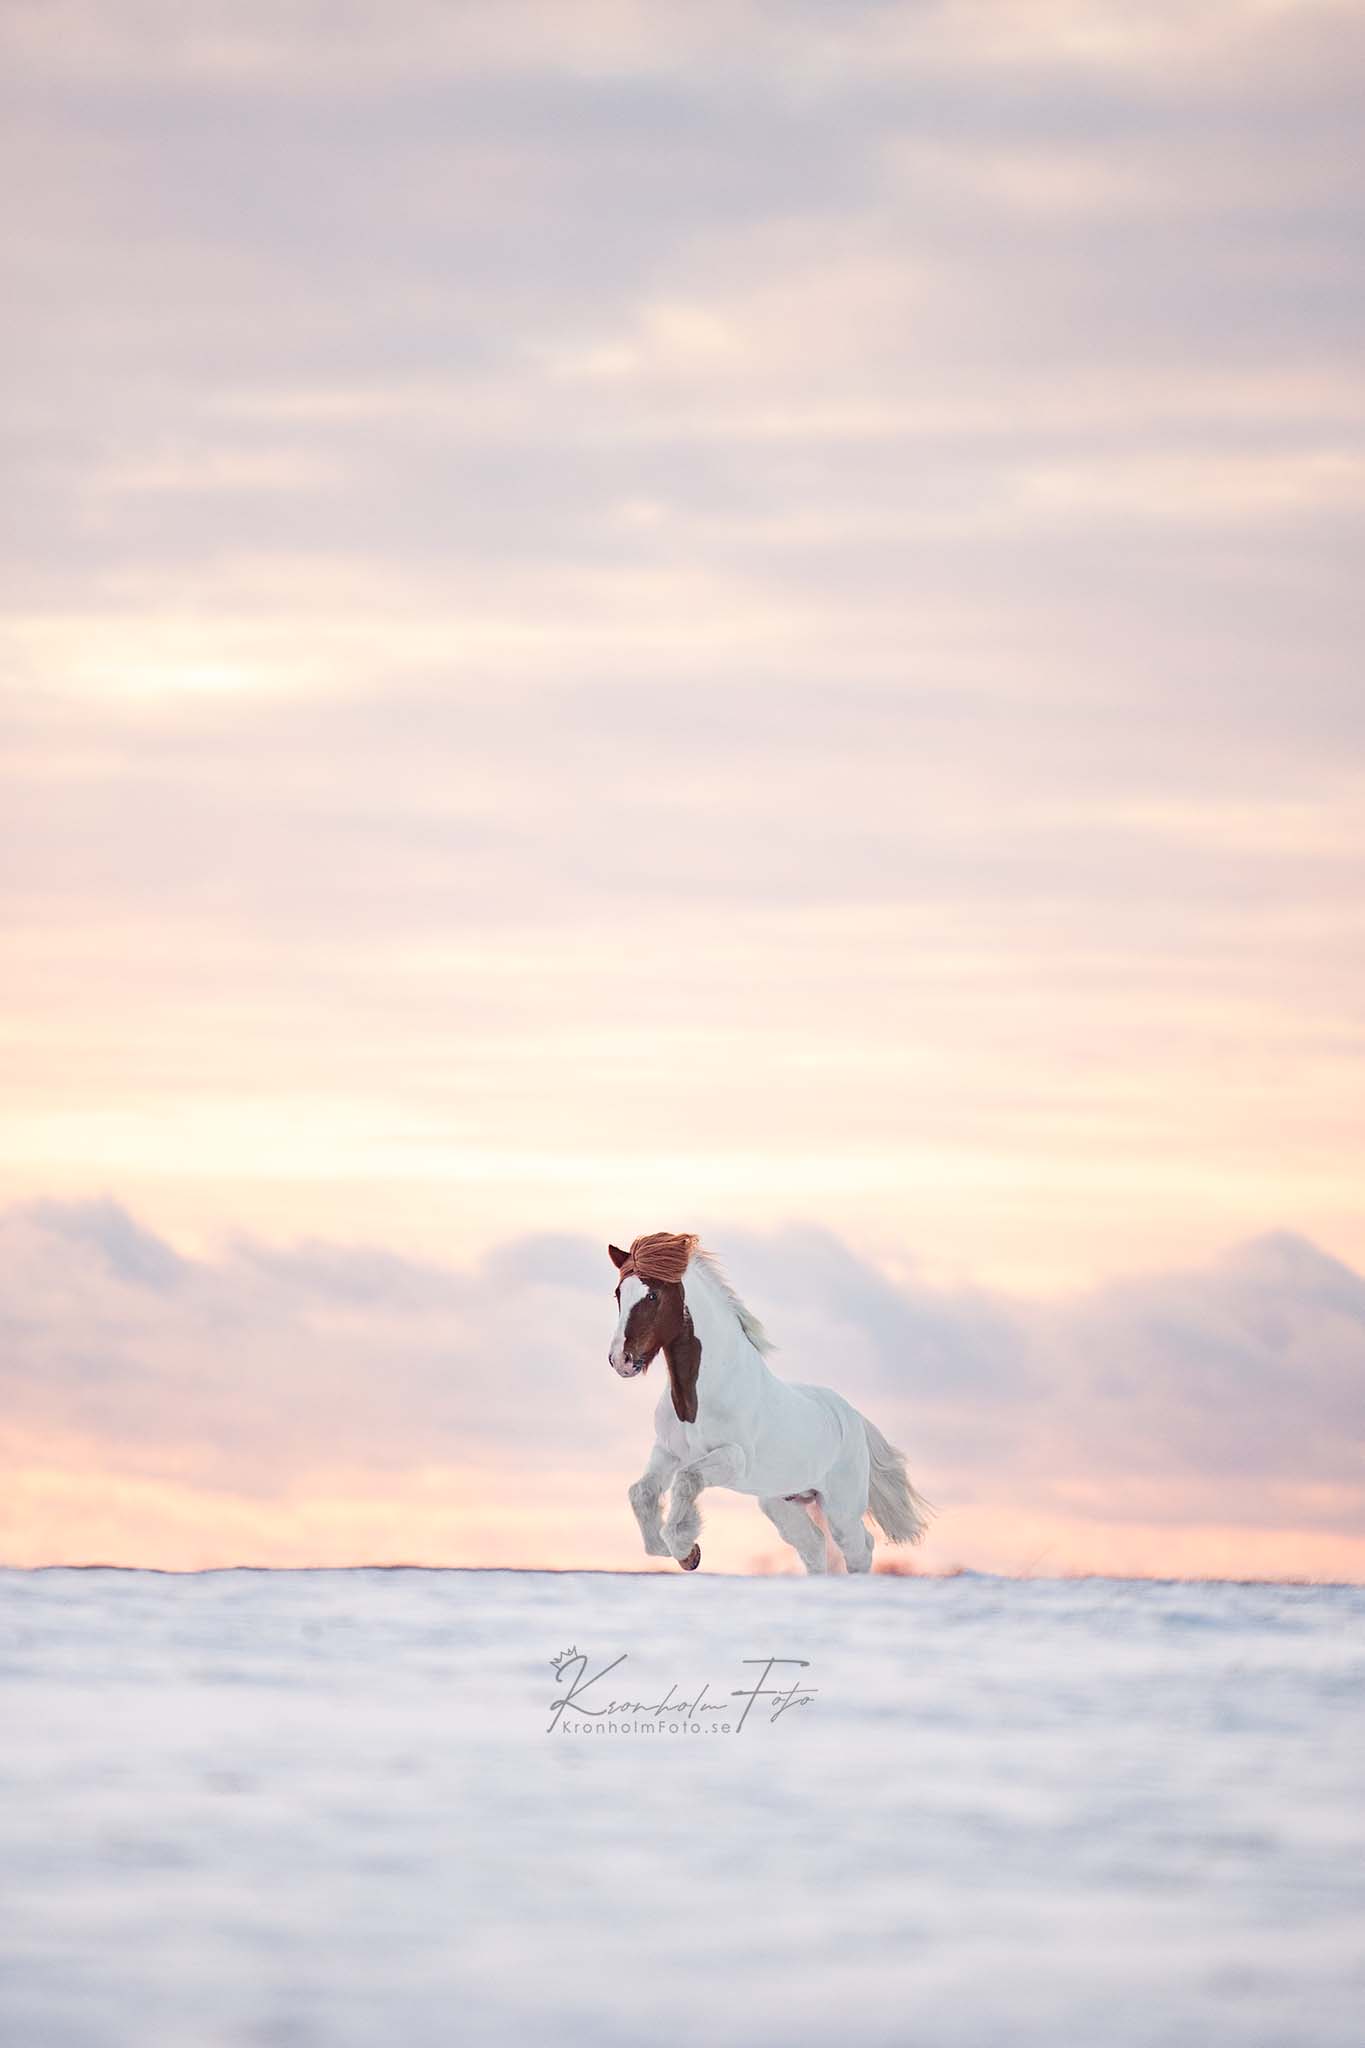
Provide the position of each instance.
(900, 1513)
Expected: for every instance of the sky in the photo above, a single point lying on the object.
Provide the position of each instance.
(633, 616)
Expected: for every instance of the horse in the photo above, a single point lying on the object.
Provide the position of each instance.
(726, 1419)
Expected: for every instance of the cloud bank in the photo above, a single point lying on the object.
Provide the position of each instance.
(322, 1402)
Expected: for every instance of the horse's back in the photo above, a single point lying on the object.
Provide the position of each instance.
(846, 1419)
(806, 1432)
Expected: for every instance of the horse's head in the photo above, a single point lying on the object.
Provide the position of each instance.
(649, 1297)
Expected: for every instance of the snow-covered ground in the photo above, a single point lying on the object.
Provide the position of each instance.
(328, 1808)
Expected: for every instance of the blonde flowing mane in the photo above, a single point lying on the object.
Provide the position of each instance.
(667, 1255)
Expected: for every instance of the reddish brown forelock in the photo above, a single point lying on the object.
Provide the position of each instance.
(660, 1255)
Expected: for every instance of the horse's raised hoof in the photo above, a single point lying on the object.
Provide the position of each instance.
(692, 1559)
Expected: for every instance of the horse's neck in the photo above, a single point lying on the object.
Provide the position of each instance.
(726, 1352)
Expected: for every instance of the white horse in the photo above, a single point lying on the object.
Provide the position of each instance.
(725, 1419)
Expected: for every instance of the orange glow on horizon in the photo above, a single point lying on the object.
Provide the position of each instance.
(74, 1508)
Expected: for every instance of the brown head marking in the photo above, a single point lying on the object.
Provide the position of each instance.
(660, 1321)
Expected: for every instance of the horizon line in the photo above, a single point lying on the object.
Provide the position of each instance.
(895, 1571)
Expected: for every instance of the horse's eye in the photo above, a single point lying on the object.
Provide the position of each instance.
(652, 1295)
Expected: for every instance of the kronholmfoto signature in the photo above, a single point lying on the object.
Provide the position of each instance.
(588, 1705)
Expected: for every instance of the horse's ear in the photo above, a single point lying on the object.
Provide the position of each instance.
(617, 1256)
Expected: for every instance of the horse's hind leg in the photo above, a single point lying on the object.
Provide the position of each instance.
(850, 1532)
(795, 1526)
(843, 1496)
(645, 1496)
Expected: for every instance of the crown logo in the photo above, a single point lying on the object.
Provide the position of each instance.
(564, 1657)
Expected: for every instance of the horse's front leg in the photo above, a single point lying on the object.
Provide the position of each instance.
(644, 1498)
(723, 1467)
